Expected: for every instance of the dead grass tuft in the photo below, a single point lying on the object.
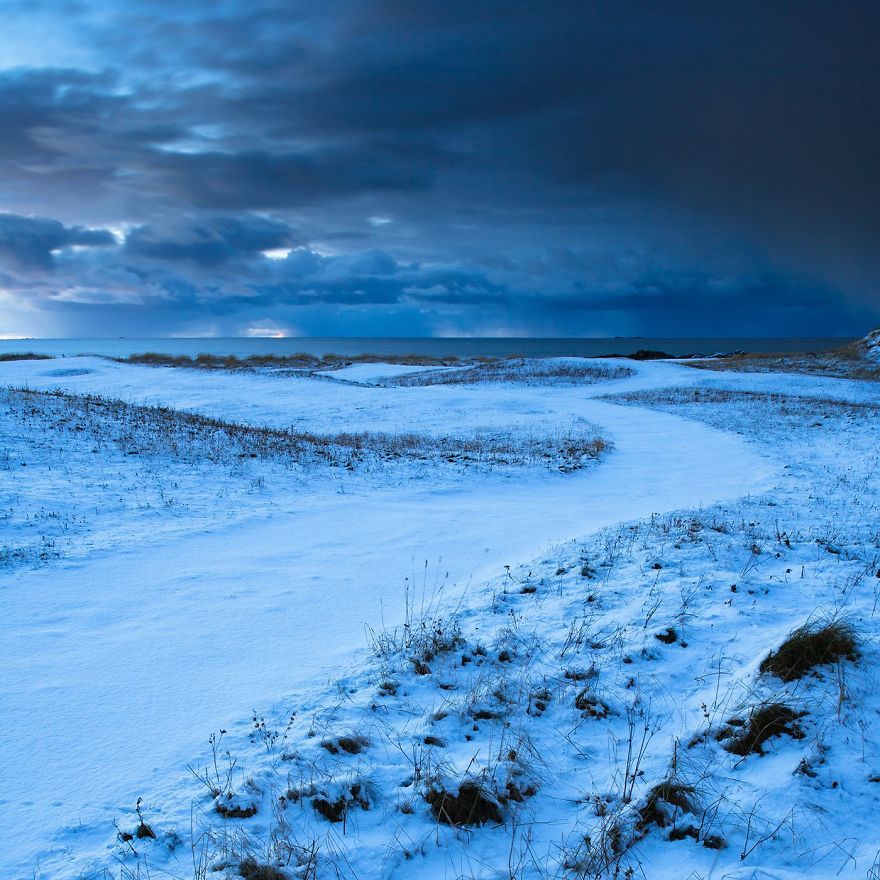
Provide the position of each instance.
(588, 703)
(669, 636)
(24, 356)
(235, 810)
(663, 803)
(764, 723)
(251, 869)
(810, 646)
(335, 809)
(351, 745)
(472, 804)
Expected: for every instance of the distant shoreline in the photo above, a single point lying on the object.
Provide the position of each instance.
(425, 346)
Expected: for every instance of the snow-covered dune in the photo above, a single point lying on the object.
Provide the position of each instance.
(871, 344)
(126, 657)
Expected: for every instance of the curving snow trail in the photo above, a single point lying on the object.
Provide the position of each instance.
(118, 666)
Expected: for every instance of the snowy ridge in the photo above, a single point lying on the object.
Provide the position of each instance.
(871, 344)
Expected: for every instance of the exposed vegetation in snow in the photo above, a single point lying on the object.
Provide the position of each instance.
(690, 694)
(190, 437)
(564, 371)
(871, 344)
(674, 697)
(171, 470)
(855, 361)
(298, 361)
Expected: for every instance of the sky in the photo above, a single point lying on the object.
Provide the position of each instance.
(443, 168)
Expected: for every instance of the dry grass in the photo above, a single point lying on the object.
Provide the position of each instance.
(523, 370)
(351, 745)
(787, 405)
(472, 804)
(849, 362)
(296, 361)
(810, 646)
(764, 723)
(663, 804)
(251, 869)
(24, 356)
(147, 430)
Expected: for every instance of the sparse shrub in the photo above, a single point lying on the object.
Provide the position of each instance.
(334, 802)
(251, 869)
(351, 745)
(663, 802)
(669, 636)
(588, 703)
(234, 806)
(471, 804)
(24, 356)
(765, 722)
(144, 831)
(810, 646)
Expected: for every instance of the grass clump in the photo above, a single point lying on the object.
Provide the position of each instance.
(472, 804)
(297, 360)
(664, 801)
(23, 356)
(335, 801)
(592, 707)
(669, 636)
(529, 371)
(351, 745)
(251, 869)
(810, 646)
(764, 723)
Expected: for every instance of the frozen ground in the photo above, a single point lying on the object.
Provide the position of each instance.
(161, 596)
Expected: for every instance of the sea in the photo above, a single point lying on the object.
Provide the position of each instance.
(462, 347)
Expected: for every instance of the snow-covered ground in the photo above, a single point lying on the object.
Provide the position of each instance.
(153, 599)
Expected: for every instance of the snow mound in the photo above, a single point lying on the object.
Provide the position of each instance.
(871, 344)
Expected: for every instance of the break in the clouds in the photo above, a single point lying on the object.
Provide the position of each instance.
(574, 168)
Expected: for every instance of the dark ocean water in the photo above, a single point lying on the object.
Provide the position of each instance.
(458, 347)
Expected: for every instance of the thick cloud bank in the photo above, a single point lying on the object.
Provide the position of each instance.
(481, 167)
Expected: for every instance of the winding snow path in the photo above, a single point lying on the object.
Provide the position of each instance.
(117, 667)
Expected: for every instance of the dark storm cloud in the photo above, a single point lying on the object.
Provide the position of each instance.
(259, 179)
(210, 241)
(517, 162)
(28, 242)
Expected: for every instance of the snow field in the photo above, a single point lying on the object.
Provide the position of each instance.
(551, 700)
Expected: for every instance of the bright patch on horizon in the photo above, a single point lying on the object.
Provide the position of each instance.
(265, 333)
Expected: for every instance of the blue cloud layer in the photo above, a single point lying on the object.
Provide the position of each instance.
(454, 167)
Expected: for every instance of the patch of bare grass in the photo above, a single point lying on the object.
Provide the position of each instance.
(471, 804)
(23, 356)
(810, 646)
(295, 361)
(664, 803)
(764, 723)
(251, 869)
(849, 362)
(522, 370)
(140, 430)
